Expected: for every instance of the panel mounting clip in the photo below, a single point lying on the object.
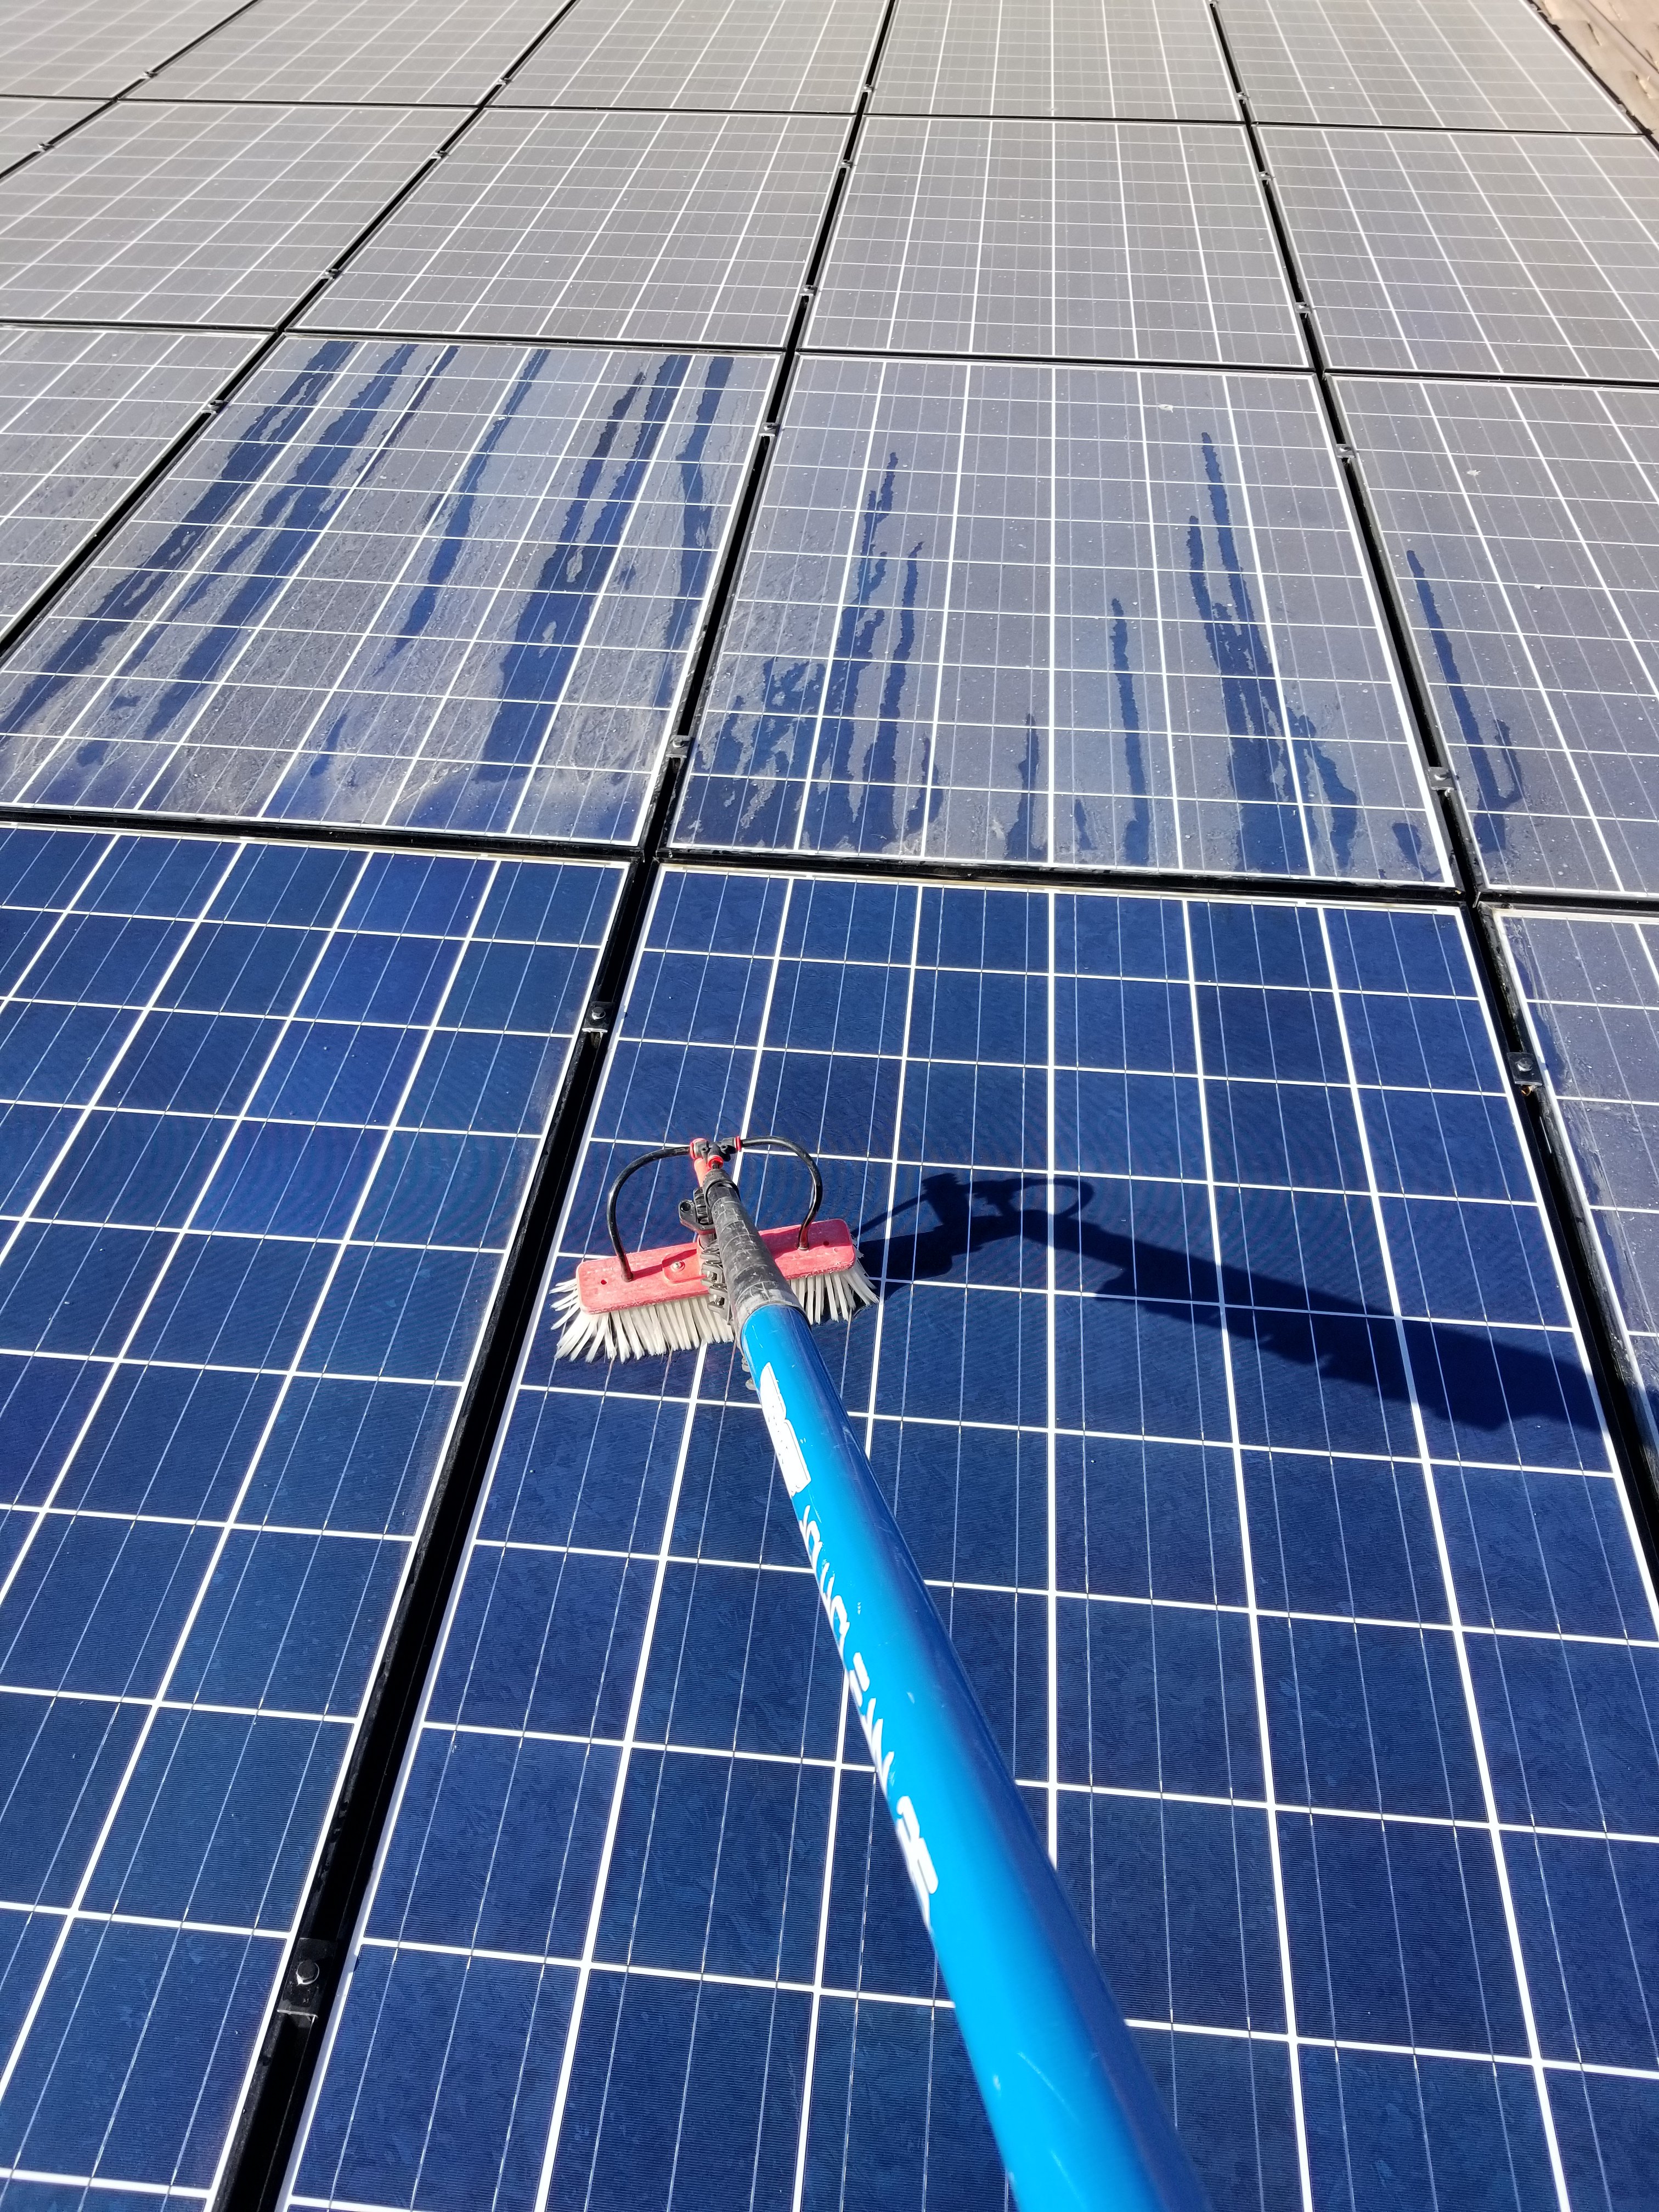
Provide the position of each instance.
(1525, 1072)
(305, 1981)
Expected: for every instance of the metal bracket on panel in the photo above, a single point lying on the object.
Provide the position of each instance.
(596, 1022)
(1441, 779)
(301, 1994)
(1525, 1072)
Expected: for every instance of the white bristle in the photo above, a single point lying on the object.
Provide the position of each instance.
(685, 1324)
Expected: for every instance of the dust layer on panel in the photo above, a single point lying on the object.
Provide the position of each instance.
(1479, 253)
(357, 49)
(1428, 64)
(83, 414)
(1331, 1515)
(270, 1113)
(1113, 241)
(454, 586)
(1135, 58)
(94, 49)
(1520, 524)
(807, 56)
(200, 213)
(677, 229)
(1004, 613)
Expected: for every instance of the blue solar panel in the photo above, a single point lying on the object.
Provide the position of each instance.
(270, 1113)
(1226, 1388)
(1100, 616)
(452, 587)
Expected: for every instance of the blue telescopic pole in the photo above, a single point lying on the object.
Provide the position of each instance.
(1078, 2124)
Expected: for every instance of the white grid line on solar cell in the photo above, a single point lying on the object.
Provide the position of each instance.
(197, 213)
(803, 55)
(444, 585)
(994, 613)
(681, 230)
(1591, 986)
(1477, 253)
(713, 1850)
(1104, 241)
(1080, 58)
(83, 414)
(157, 1817)
(395, 51)
(100, 48)
(25, 126)
(1520, 524)
(1451, 65)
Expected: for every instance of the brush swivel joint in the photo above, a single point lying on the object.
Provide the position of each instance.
(740, 1273)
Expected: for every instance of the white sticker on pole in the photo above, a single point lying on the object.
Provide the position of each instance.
(785, 1442)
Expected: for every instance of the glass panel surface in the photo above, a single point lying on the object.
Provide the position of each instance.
(1225, 1388)
(1476, 254)
(100, 48)
(808, 55)
(451, 586)
(269, 1116)
(1094, 57)
(1522, 524)
(83, 414)
(1100, 616)
(1132, 241)
(642, 229)
(25, 126)
(200, 213)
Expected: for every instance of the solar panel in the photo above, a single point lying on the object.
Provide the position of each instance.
(273, 1114)
(724, 54)
(1225, 1388)
(1479, 253)
(1520, 523)
(99, 47)
(638, 229)
(357, 49)
(199, 214)
(1449, 65)
(1592, 993)
(1083, 57)
(83, 414)
(1102, 617)
(1128, 241)
(25, 126)
(449, 586)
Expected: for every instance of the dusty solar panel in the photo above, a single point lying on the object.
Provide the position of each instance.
(1449, 64)
(1131, 241)
(673, 229)
(1006, 612)
(200, 213)
(1082, 58)
(357, 49)
(83, 414)
(27, 125)
(1592, 992)
(454, 587)
(1521, 522)
(100, 48)
(272, 1117)
(1303, 1600)
(808, 55)
(1478, 254)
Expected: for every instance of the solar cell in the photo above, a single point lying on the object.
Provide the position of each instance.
(452, 587)
(1128, 241)
(1449, 65)
(1592, 993)
(1520, 521)
(640, 229)
(357, 49)
(724, 54)
(1476, 253)
(83, 414)
(199, 214)
(1010, 612)
(25, 126)
(1225, 1388)
(272, 1115)
(1083, 57)
(100, 48)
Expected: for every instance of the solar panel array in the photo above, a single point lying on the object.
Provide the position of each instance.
(1054, 600)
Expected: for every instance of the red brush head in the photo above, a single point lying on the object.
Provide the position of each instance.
(671, 1271)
